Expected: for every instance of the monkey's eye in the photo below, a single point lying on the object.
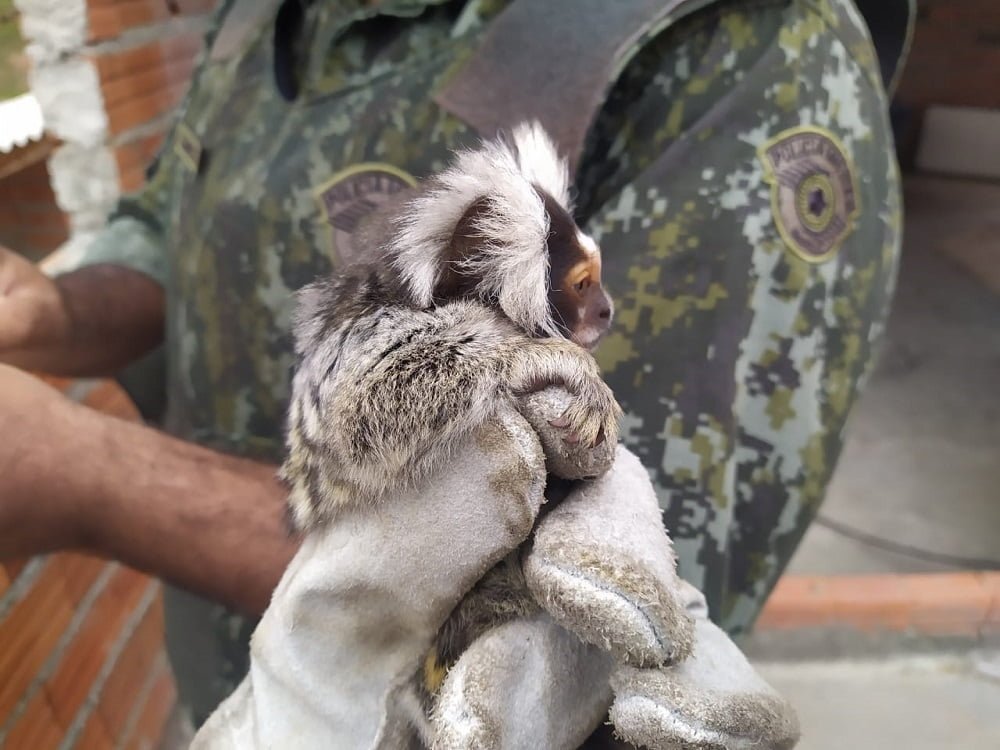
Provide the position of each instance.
(582, 284)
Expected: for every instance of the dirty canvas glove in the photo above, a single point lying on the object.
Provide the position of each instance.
(334, 656)
(525, 684)
(602, 568)
(602, 565)
(713, 700)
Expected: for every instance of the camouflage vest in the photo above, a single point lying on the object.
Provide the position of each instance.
(295, 129)
(734, 160)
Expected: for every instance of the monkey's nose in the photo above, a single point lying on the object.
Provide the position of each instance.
(605, 313)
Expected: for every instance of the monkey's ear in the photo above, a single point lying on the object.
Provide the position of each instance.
(540, 163)
(483, 222)
(457, 274)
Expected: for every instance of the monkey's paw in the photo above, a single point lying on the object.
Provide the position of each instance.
(564, 457)
(592, 416)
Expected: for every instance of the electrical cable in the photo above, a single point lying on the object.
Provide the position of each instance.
(908, 550)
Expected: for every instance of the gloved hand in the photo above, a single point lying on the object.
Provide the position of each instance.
(713, 700)
(600, 564)
(334, 658)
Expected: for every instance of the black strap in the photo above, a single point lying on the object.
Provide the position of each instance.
(553, 61)
(891, 25)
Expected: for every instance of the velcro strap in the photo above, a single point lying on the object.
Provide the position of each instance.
(553, 61)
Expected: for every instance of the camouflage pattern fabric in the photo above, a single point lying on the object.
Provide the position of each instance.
(742, 182)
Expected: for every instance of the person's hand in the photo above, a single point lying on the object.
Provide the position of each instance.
(602, 569)
(33, 313)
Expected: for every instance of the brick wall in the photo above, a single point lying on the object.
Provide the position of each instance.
(955, 56)
(108, 75)
(141, 83)
(31, 223)
(82, 662)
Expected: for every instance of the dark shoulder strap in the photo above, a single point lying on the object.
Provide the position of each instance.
(891, 25)
(553, 61)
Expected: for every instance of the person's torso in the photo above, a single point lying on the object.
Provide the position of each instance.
(274, 192)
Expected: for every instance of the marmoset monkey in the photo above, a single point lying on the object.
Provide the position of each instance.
(482, 289)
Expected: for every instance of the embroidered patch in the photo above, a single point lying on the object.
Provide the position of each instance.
(351, 195)
(814, 192)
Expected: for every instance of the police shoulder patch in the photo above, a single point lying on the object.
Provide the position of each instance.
(351, 195)
(814, 191)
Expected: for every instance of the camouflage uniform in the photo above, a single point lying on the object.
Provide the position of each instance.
(740, 177)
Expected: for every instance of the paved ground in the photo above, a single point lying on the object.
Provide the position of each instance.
(921, 463)
(912, 704)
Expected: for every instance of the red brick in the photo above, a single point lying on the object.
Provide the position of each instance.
(92, 644)
(947, 603)
(43, 233)
(951, 39)
(94, 735)
(36, 729)
(184, 7)
(160, 53)
(78, 573)
(28, 634)
(33, 190)
(196, 7)
(144, 149)
(974, 15)
(109, 21)
(133, 159)
(141, 110)
(164, 75)
(14, 568)
(131, 180)
(130, 673)
(35, 173)
(148, 730)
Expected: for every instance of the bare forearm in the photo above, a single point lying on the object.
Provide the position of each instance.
(110, 316)
(211, 523)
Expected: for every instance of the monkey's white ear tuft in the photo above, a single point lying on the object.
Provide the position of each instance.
(511, 262)
(540, 162)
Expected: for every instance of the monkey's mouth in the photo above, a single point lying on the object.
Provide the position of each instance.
(588, 338)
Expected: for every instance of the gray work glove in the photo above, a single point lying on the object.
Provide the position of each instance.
(335, 656)
(602, 567)
(713, 700)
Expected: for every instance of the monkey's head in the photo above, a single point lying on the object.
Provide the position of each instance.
(497, 226)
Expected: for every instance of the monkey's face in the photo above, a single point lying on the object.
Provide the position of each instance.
(574, 298)
(580, 306)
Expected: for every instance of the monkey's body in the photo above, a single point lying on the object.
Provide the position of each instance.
(482, 289)
(458, 313)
